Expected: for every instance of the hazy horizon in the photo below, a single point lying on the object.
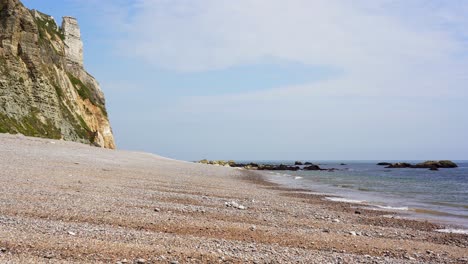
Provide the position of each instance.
(276, 80)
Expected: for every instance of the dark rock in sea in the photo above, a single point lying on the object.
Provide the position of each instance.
(308, 163)
(343, 164)
(436, 164)
(434, 169)
(399, 165)
(312, 167)
(447, 164)
(384, 164)
(432, 165)
(299, 163)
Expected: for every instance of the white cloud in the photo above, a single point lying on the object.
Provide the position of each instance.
(381, 47)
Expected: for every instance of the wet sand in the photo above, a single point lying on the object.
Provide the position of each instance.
(63, 202)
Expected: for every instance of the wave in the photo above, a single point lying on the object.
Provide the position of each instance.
(386, 207)
(453, 231)
(343, 200)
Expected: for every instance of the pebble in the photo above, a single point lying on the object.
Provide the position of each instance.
(174, 262)
(140, 261)
(71, 233)
(157, 210)
(253, 228)
(353, 233)
(235, 205)
(335, 220)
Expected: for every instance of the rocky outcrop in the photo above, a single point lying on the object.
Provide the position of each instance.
(44, 89)
(399, 165)
(432, 165)
(72, 40)
(266, 167)
(384, 164)
(312, 167)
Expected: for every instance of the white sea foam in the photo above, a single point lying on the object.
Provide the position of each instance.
(343, 200)
(386, 207)
(453, 231)
(297, 178)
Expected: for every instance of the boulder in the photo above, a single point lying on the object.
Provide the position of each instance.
(298, 163)
(308, 163)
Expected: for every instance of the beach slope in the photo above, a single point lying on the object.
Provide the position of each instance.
(68, 202)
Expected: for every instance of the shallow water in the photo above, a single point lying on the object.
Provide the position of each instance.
(438, 195)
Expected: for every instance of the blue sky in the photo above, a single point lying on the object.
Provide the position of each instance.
(317, 80)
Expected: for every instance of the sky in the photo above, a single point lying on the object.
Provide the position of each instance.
(280, 80)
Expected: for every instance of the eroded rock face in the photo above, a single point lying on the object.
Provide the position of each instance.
(73, 43)
(44, 89)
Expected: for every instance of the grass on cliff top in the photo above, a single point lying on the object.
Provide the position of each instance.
(47, 24)
(29, 126)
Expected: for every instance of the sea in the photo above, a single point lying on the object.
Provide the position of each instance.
(439, 196)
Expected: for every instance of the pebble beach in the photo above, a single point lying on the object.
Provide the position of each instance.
(65, 202)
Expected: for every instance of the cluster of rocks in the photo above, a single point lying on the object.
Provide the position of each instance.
(298, 165)
(224, 163)
(431, 165)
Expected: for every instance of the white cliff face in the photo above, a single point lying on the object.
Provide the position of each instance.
(73, 43)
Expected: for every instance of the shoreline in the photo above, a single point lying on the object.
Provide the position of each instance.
(71, 203)
(410, 209)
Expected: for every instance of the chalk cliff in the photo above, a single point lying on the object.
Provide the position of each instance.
(44, 89)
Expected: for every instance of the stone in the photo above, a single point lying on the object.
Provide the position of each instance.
(71, 233)
(353, 233)
(140, 261)
(157, 210)
(299, 163)
(233, 204)
(335, 220)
